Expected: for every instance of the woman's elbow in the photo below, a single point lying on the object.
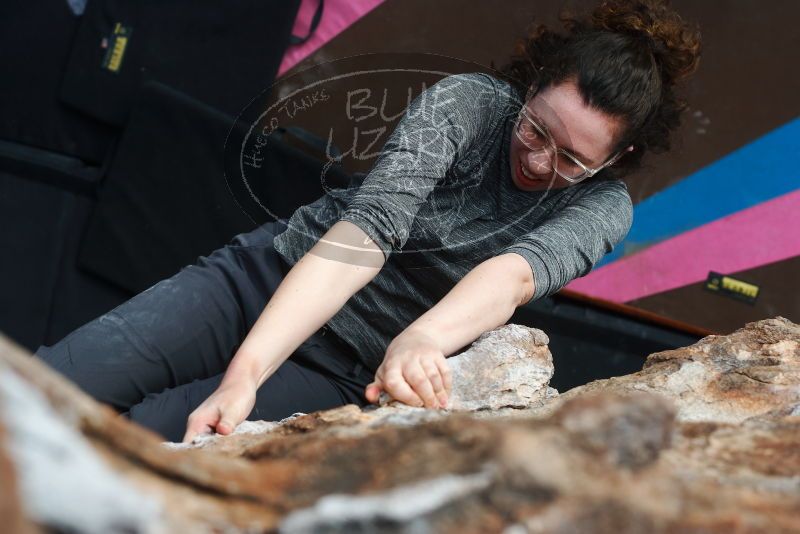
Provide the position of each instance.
(518, 271)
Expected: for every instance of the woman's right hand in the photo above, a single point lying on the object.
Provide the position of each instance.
(223, 410)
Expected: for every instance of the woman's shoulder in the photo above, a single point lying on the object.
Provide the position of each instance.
(605, 194)
(480, 88)
(612, 187)
(475, 101)
(473, 94)
(610, 196)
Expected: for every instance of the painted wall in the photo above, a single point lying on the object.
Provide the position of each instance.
(726, 198)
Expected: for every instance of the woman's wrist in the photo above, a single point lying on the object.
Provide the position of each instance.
(245, 367)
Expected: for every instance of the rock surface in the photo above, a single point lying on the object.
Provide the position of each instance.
(750, 372)
(14, 518)
(54, 459)
(703, 439)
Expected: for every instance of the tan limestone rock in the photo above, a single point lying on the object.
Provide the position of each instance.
(669, 449)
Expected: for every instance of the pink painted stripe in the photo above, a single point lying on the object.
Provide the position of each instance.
(765, 233)
(337, 16)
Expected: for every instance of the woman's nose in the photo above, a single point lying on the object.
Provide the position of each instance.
(540, 161)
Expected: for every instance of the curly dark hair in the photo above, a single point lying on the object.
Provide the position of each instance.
(626, 57)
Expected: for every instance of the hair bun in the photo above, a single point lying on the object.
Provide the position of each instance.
(674, 43)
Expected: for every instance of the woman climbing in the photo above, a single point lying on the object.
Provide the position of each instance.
(493, 190)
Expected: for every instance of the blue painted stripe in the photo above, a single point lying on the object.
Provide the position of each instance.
(761, 170)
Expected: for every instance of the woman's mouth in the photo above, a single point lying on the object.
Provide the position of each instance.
(524, 176)
(525, 172)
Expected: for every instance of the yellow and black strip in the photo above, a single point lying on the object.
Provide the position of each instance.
(732, 287)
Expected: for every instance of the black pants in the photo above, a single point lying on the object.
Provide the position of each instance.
(156, 357)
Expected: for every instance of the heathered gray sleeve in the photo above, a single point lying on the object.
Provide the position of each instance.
(567, 244)
(437, 127)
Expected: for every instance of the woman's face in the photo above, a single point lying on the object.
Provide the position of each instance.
(587, 133)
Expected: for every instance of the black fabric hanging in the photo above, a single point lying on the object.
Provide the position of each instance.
(220, 53)
(35, 38)
(43, 295)
(166, 201)
(30, 238)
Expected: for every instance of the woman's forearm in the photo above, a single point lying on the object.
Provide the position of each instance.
(484, 299)
(318, 285)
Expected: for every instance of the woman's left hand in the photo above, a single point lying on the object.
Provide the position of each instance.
(414, 371)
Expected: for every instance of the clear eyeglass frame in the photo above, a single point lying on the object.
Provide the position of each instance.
(586, 171)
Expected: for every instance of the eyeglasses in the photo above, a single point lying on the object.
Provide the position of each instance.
(533, 133)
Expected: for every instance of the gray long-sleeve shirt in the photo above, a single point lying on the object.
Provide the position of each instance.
(440, 199)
